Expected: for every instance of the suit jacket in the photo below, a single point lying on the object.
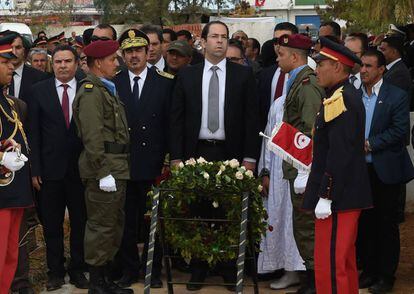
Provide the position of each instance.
(240, 113)
(30, 76)
(264, 88)
(389, 128)
(399, 76)
(147, 121)
(339, 171)
(55, 149)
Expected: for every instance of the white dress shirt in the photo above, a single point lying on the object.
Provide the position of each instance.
(142, 76)
(274, 84)
(17, 79)
(391, 64)
(160, 64)
(71, 93)
(205, 133)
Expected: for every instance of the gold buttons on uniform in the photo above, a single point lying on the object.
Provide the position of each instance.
(144, 144)
(144, 128)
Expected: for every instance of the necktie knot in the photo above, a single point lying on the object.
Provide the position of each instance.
(65, 86)
(136, 79)
(14, 73)
(352, 79)
(214, 68)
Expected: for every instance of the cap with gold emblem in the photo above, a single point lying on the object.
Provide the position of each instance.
(337, 52)
(6, 50)
(133, 38)
(40, 41)
(297, 41)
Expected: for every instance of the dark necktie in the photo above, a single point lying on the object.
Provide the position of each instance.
(65, 104)
(279, 85)
(352, 79)
(213, 101)
(135, 90)
(11, 86)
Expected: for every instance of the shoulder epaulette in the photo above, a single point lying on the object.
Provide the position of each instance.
(88, 87)
(334, 106)
(165, 74)
(305, 81)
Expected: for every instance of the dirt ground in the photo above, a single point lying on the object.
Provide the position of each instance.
(404, 283)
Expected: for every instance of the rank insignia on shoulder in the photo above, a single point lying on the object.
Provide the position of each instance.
(305, 81)
(88, 87)
(165, 74)
(334, 106)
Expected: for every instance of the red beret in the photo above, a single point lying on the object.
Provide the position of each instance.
(297, 41)
(101, 48)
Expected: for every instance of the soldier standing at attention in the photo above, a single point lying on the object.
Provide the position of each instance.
(303, 101)
(103, 164)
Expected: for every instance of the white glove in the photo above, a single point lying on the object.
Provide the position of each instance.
(107, 184)
(13, 160)
(323, 208)
(299, 185)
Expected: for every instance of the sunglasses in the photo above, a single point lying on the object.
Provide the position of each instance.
(96, 38)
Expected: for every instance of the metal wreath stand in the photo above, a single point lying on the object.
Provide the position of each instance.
(244, 233)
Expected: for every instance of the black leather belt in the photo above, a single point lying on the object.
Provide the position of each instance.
(212, 142)
(115, 148)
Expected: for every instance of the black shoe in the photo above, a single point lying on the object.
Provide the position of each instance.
(79, 280)
(197, 276)
(27, 290)
(115, 289)
(366, 281)
(128, 279)
(156, 282)
(97, 283)
(381, 287)
(54, 283)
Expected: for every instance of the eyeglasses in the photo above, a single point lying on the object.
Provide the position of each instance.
(217, 36)
(83, 58)
(96, 38)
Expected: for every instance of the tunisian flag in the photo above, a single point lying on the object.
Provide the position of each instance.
(291, 145)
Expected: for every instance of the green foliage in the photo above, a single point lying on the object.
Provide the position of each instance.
(369, 15)
(216, 187)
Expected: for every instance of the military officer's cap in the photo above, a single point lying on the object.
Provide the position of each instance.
(101, 48)
(6, 50)
(181, 47)
(335, 51)
(40, 41)
(133, 38)
(78, 42)
(297, 41)
(57, 38)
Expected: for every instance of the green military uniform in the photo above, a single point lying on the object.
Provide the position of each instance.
(301, 106)
(103, 129)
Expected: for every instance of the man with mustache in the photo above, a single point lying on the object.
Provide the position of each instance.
(146, 93)
(55, 153)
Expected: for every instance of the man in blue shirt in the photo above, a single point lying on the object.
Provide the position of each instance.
(389, 167)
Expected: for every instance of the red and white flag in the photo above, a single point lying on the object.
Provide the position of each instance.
(291, 145)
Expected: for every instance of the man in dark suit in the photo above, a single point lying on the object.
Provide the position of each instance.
(55, 153)
(214, 114)
(146, 94)
(155, 57)
(389, 167)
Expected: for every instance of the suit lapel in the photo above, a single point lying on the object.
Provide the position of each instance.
(198, 95)
(56, 105)
(22, 81)
(229, 83)
(146, 90)
(382, 96)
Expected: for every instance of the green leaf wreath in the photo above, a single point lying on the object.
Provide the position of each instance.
(217, 187)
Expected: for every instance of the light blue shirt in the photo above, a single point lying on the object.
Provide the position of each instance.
(109, 85)
(369, 103)
(292, 76)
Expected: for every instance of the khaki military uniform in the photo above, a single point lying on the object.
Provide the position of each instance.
(301, 107)
(103, 129)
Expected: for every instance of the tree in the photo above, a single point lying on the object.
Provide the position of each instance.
(370, 15)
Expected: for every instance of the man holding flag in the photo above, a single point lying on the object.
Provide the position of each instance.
(303, 101)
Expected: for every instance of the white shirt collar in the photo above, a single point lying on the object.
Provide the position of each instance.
(142, 76)
(160, 64)
(71, 83)
(375, 89)
(19, 70)
(391, 64)
(221, 65)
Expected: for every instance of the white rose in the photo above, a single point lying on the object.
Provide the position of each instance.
(226, 162)
(191, 161)
(219, 173)
(181, 165)
(234, 163)
(222, 168)
(206, 175)
(201, 160)
(260, 188)
(243, 168)
(249, 174)
(215, 204)
(239, 176)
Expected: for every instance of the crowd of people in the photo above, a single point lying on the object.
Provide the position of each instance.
(89, 123)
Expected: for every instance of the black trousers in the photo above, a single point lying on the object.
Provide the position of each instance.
(54, 198)
(135, 209)
(379, 235)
